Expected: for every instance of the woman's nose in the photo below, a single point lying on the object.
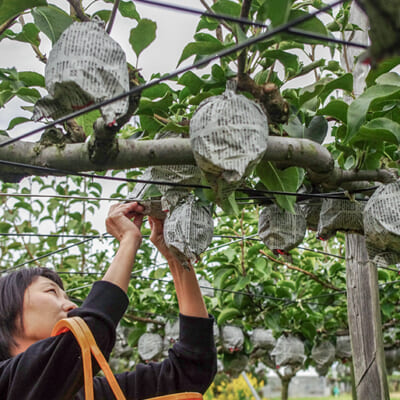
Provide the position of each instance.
(69, 305)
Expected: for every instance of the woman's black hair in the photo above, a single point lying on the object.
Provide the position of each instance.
(12, 290)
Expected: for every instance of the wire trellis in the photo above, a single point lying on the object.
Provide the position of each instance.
(177, 72)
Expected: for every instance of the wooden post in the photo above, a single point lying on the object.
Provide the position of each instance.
(365, 322)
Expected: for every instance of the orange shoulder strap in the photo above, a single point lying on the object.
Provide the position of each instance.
(88, 346)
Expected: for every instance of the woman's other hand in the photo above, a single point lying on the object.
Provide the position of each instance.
(157, 238)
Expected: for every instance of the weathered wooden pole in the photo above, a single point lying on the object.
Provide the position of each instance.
(365, 322)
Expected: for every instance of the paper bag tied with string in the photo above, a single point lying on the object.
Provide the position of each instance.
(228, 134)
(323, 355)
(263, 341)
(232, 338)
(343, 347)
(311, 209)
(188, 231)
(143, 193)
(382, 225)
(340, 215)
(85, 66)
(280, 230)
(178, 174)
(289, 351)
(150, 346)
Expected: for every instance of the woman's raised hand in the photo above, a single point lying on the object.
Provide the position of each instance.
(124, 221)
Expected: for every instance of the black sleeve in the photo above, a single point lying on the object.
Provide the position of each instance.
(190, 367)
(51, 369)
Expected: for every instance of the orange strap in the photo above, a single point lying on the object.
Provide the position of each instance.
(88, 346)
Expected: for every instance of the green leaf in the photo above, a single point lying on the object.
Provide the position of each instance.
(52, 21)
(150, 124)
(282, 181)
(128, 10)
(357, 112)
(142, 35)
(29, 34)
(31, 78)
(227, 314)
(104, 15)
(277, 11)
(383, 67)
(221, 276)
(325, 86)
(316, 130)
(378, 130)
(288, 60)
(150, 107)
(87, 120)
(312, 25)
(336, 109)
(156, 91)
(191, 81)
(16, 121)
(29, 95)
(390, 78)
(205, 45)
(227, 7)
(388, 309)
(11, 8)
(242, 283)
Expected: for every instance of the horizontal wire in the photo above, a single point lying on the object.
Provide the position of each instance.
(141, 277)
(61, 196)
(56, 171)
(201, 63)
(246, 21)
(45, 255)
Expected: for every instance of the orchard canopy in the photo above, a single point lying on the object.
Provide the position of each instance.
(327, 137)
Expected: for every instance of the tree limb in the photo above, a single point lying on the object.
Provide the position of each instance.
(78, 10)
(112, 17)
(210, 10)
(7, 24)
(244, 13)
(303, 271)
(74, 157)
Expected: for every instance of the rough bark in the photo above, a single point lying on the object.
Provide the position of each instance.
(134, 154)
(365, 322)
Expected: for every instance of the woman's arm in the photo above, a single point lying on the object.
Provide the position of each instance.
(124, 222)
(190, 299)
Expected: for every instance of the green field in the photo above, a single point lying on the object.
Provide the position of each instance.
(393, 396)
(341, 397)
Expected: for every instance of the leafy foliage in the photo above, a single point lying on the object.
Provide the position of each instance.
(253, 287)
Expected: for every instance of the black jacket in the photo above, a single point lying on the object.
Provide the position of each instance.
(51, 369)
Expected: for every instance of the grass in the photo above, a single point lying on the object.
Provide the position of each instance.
(393, 396)
(341, 397)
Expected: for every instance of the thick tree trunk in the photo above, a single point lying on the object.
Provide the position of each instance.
(133, 154)
(285, 388)
(365, 322)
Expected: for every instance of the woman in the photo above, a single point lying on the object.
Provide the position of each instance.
(36, 366)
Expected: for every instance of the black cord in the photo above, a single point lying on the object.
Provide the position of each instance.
(201, 63)
(56, 171)
(245, 21)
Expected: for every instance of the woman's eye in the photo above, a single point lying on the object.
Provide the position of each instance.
(51, 291)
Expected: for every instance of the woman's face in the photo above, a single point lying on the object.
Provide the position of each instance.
(45, 303)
